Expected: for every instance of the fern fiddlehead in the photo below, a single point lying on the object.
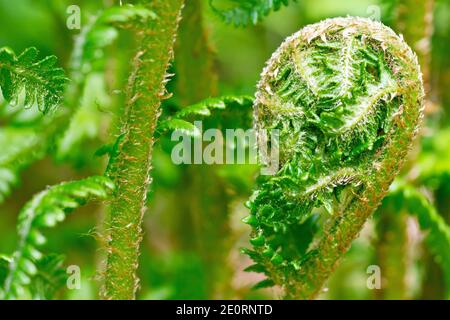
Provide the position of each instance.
(346, 96)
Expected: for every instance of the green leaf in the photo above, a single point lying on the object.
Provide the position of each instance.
(181, 119)
(180, 125)
(244, 12)
(255, 268)
(267, 283)
(205, 107)
(26, 80)
(126, 13)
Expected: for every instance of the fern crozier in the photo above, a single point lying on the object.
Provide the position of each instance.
(346, 96)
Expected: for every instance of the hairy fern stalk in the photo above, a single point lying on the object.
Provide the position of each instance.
(346, 96)
(130, 168)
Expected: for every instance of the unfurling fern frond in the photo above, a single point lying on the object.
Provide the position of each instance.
(243, 12)
(182, 120)
(346, 98)
(34, 81)
(45, 210)
(406, 197)
(185, 127)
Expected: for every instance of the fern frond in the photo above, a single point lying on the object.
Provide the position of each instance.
(183, 118)
(45, 210)
(126, 14)
(244, 12)
(407, 197)
(28, 80)
(183, 126)
(50, 277)
(206, 107)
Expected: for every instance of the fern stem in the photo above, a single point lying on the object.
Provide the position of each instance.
(131, 167)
